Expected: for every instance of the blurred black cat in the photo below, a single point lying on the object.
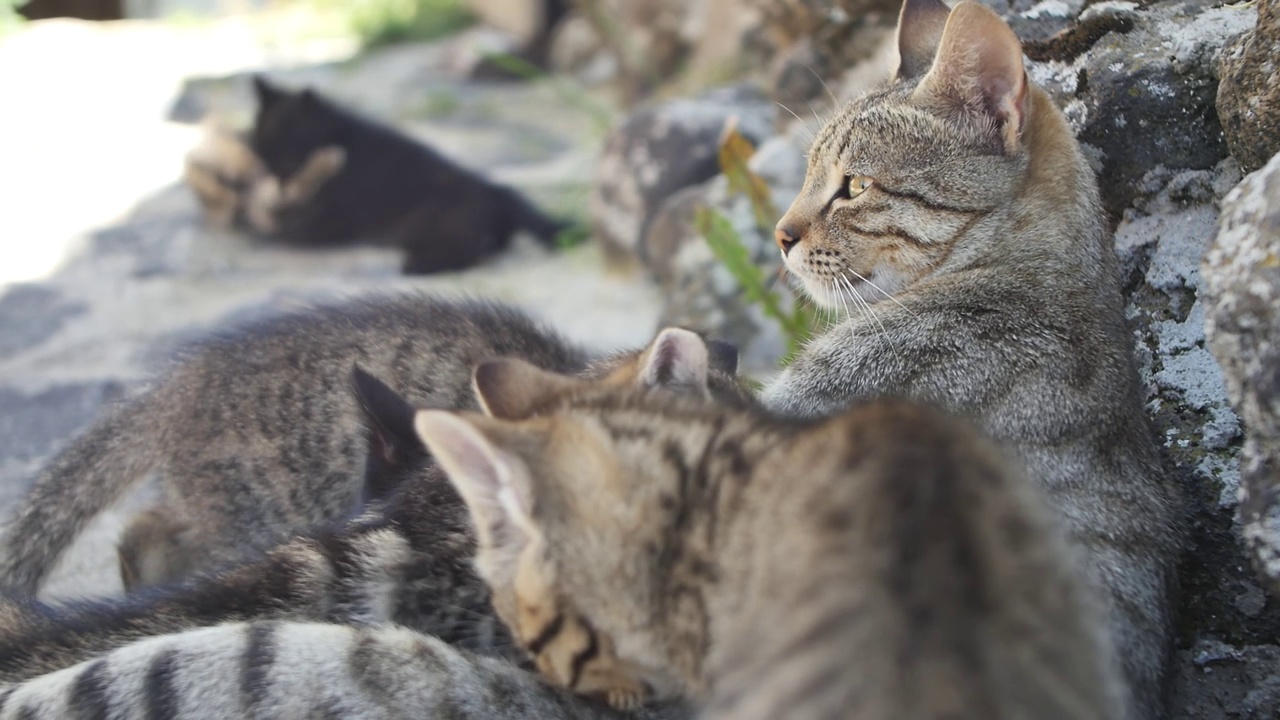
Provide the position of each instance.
(391, 190)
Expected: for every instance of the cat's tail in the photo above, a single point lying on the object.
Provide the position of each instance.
(526, 216)
(75, 487)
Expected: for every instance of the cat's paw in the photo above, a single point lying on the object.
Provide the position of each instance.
(626, 698)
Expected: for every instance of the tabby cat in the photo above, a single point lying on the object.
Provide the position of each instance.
(955, 210)
(392, 189)
(255, 434)
(883, 564)
(407, 560)
(298, 671)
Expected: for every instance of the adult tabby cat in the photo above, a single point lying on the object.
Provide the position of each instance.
(407, 559)
(299, 671)
(883, 564)
(392, 189)
(255, 434)
(954, 207)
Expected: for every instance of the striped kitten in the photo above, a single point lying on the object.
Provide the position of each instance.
(407, 560)
(956, 210)
(883, 564)
(255, 435)
(297, 671)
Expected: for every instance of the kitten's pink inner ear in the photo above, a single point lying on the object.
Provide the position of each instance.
(514, 389)
(493, 482)
(677, 358)
(920, 26)
(979, 67)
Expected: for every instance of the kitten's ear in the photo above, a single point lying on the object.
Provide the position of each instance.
(724, 356)
(678, 360)
(979, 69)
(920, 26)
(513, 389)
(394, 449)
(495, 484)
(267, 93)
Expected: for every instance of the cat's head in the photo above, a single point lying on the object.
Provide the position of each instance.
(290, 126)
(564, 486)
(898, 176)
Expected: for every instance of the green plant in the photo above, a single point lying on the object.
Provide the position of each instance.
(9, 17)
(798, 322)
(569, 91)
(381, 22)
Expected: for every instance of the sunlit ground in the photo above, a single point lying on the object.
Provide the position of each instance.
(82, 108)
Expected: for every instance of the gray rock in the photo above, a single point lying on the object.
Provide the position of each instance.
(1242, 274)
(1249, 90)
(658, 150)
(1138, 83)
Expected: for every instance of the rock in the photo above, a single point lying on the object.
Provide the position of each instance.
(698, 290)
(1249, 90)
(1137, 82)
(1242, 273)
(658, 150)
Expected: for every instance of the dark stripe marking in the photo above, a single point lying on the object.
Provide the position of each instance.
(88, 699)
(926, 202)
(586, 655)
(891, 232)
(549, 633)
(259, 655)
(159, 694)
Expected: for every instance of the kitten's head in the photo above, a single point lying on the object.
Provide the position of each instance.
(896, 177)
(290, 126)
(563, 487)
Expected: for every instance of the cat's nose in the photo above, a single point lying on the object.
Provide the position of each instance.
(787, 237)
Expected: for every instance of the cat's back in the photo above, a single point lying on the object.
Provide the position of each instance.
(926, 579)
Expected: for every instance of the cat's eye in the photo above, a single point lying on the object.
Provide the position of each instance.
(857, 184)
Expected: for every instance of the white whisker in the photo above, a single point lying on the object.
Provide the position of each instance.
(812, 133)
(883, 292)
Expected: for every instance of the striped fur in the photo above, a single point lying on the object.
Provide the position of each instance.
(953, 216)
(296, 671)
(256, 435)
(407, 560)
(884, 564)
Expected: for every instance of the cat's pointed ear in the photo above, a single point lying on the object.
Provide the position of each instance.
(494, 483)
(677, 359)
(978, 69)
(266, 92)
(394, 448)
(920, 26)
(513, 389)
(724, 356)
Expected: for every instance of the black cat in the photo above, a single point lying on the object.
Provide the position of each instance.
(391, 190)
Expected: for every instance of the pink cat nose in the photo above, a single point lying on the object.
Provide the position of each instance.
(787, 237)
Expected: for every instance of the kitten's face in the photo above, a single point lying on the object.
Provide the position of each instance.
(561, 494)
(895, 178)
(289, 127)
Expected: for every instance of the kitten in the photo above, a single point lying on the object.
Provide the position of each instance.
(955, 208)
(406, 560)
(297, 671)
(237, 193)
(883, 564)
(255, 434)
(392, 189)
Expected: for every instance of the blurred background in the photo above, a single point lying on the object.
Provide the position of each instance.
(669, 133)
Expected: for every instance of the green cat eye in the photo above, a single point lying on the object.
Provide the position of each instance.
(858, 184)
